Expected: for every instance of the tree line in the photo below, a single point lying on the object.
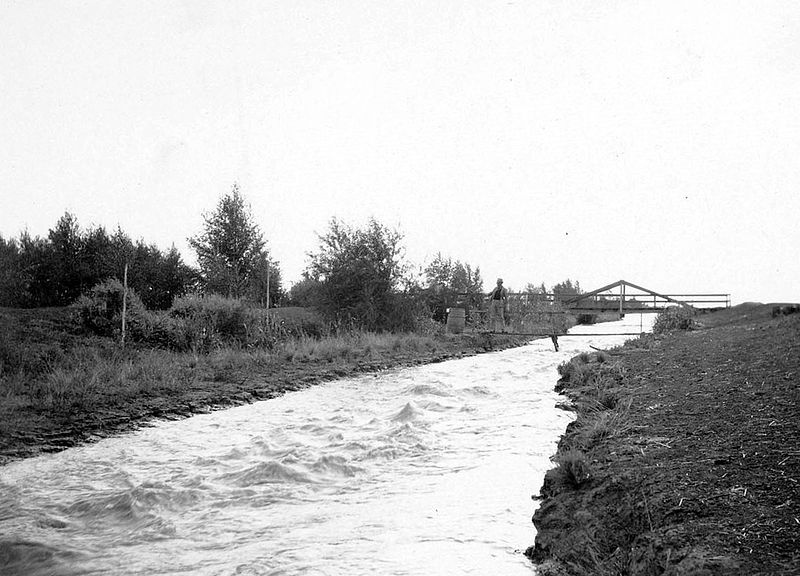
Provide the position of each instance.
(57, 269)
(357, 275)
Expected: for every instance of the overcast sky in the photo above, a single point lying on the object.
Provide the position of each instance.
(657, 142)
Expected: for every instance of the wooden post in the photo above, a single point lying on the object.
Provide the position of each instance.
(124, 301)
(267, 284)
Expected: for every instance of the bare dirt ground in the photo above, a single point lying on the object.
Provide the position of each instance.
(703, 474)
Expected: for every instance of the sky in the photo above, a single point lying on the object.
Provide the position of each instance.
(656, 142)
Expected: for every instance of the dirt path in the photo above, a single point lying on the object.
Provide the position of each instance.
(701, 474)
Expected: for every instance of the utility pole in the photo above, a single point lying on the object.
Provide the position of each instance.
(124, 301)
(267, 283)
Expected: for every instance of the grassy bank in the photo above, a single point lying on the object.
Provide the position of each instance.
(60, 387)
(683, 456)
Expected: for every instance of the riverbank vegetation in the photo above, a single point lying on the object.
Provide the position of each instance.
(82, 353)
(61, 384)
(680, 460)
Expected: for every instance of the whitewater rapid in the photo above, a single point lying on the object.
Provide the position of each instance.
(425, 470)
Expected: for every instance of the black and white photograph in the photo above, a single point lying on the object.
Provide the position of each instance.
(403, 288)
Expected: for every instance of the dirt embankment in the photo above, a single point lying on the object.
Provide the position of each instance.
(35, 418)
(685, 455)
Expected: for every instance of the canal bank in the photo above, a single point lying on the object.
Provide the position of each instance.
(683, 458)
(422, 470)
(62, 388)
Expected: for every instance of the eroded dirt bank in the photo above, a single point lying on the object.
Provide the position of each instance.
(30, 426)
(685, 457)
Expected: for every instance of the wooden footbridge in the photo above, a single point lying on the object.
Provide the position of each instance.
(536, 314)
(624, 296)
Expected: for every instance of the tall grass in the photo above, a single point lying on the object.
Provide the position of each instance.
(87, 377)
(355, 345)
(97, 372)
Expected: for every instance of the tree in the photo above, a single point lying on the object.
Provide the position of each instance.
(567, 288)
(67, 243)
(308, 292)
(55, 270)
(12, 282)
(230, 250)
(358, 271)
(449, 282)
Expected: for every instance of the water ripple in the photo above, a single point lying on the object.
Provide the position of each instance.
(426, 470)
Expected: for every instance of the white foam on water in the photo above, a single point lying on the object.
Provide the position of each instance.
(426, 470)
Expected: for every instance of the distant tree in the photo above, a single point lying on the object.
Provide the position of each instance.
(450, 281)
(54, 271)
(567, 288)
(230, 251)
(533, 289)
(536, 293)
(67, 244)
(35, 262)
(439, 273)
(358, 272)
(308, 292)
(12, 281)
(453, 275)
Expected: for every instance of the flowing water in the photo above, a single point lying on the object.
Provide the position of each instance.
(426, 470)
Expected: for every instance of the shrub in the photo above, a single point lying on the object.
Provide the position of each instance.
(205, 322)
(298, 321)
(674, 318)
(100, 311)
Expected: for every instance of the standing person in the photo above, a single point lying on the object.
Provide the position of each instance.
(497, 304)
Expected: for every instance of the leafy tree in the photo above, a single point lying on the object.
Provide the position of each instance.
(358, 272)
(54, 271)
(449, 282)
(12, 282)
(64, 261)
(230, 251)
(567, 288)
(453, 275)
(536, 293)
(307, 292)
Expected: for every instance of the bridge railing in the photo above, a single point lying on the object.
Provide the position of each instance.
(527, 311)
(649, 302)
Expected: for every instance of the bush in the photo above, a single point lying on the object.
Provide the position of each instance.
(298, 321)
(674, 318)
(193, 323)
(204, 322)
(100, 311)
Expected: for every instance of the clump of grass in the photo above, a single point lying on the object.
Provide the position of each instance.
(602, 357)
(64, 388)
(601, 426)
(572, 468)
(589, 370)
(91, 376)
(608, 399)
(348, 345)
